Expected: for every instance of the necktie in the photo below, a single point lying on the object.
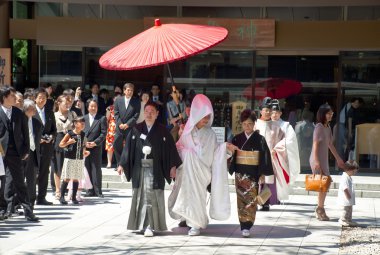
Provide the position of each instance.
(31, 136)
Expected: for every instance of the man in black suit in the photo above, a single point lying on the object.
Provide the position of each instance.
(156, 98)
(32, 163)
(95, 88)
(127, 111)
(96, 131)
(14, 138)
(45, 116)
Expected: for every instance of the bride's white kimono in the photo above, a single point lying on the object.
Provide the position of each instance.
(204, 162)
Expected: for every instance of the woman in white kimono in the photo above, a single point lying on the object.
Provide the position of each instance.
(285, 155)
(204, 162)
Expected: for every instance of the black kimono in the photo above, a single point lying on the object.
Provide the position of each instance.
(148, 175)
(247, 175)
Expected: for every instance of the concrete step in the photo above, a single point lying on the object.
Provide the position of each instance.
(365, 186)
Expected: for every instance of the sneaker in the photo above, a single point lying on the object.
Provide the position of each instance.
(245, 233)
(353, 224)
(344, 223)
(194, 232)
(148, 232)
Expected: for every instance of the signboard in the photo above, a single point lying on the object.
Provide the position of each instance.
(5, 66)
(242, 33)
(220, 134)
(237, 108)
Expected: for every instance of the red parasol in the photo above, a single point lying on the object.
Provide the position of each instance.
(162, 44)
(275, 88)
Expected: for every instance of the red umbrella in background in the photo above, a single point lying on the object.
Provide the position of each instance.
(274, 87)
(162, 44)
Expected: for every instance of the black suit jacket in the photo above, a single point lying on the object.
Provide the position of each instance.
(126, 116)
(19, 124)
(49, 128)
(37, 131)
(97, 131)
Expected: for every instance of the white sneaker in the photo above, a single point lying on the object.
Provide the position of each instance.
(245, 233)
(148, 232)
(353, 224)
(343, 223)
(194, 232)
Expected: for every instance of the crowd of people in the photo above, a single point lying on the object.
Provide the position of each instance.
(153, 143)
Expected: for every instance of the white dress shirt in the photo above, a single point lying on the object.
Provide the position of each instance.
(8, 111)
(41, 112)
(91, 118)
(31, 135)
(127, 100)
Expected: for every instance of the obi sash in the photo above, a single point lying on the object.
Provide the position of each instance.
(250, 158)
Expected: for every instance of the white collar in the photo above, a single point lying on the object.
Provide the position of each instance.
(6, 109)
(248, 136)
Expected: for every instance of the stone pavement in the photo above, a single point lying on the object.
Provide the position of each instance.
(98, 226)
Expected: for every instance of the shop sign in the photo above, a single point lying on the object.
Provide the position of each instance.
(242, 33)
(220, 134)
(237, 108)
(5, 66)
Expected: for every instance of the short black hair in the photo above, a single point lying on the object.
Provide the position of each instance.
(5, 91)
(40, 91)
(88, 102)
(78, 119)
(46, 85)
(128, 85)
(248, 114)
(92, 84)
(153, 104)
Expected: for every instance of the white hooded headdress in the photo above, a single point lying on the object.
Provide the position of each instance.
(200, 108)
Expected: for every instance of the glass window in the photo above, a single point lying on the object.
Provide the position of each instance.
(84, 10)
(363, 12)
(358, 129)
(49, 9)
(138, 12)
(61, 65)
(21, 10)
(221, 12)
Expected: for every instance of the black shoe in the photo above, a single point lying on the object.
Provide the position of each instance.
(75, 202)
(183, 224)
(32, 217)
(265, 208)
(43, 202)
(100, 196)
(63, 201)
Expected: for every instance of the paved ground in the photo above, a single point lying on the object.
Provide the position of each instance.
(98, 226)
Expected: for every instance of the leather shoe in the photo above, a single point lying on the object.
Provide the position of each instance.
(265, 208)
(43, 202)
(32, 217)
(89, 195)
(8, 215)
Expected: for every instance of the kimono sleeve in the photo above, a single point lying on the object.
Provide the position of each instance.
(170, 156)
(265, 162)
(232, 167)
(127, 159)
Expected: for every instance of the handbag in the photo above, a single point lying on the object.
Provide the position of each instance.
(264, 195)
(317, 182)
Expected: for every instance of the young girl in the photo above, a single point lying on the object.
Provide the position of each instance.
(346, 194)
(74, 151)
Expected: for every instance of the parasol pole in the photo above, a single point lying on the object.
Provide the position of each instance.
(170, 74)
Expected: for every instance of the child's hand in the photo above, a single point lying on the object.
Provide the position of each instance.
(86, 153)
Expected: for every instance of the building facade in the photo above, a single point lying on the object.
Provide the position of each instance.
(331, 47)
